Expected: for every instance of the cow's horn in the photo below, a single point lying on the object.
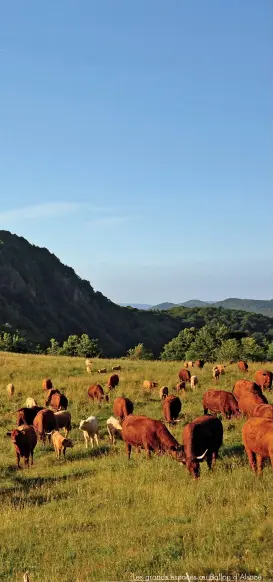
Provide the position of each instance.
(202, 456)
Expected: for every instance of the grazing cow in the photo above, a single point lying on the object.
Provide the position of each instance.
(44, 422)
(151, 435)
(202, 438)
(96, 392)
(171, 408)
(243, 366)
(263, 411)
(30, 402)
(102, 371)
(114, 429)
(249, 400)
(184, 375)
(26, 415)
(122, 407)
(113, 381)
(88, 369)
(194, 382)
(47, 384)
(56, 400)
(89, 427)
(116, 368)
(200, 363)
(24, 440)
(257, 436)
(220, 401)
(63, 420)
(185, 364)
(60, 443)
(245, 386)
(221, 368)
(264, 379)
(215, 374)
(149, 385)
(88, 363)
(181, 386)
(163, 392)
(10, 390)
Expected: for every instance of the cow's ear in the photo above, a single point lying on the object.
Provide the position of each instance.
(8, 433)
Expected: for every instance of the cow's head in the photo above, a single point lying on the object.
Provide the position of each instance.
(67, 443)
(177, 452)
(193, 464)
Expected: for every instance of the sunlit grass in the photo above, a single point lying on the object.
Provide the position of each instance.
(97, 516)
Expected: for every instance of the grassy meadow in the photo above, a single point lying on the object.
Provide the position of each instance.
(98, 517)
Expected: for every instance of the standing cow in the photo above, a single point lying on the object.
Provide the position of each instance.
(220, 401)
(243, 366)
(96, 392)
(122, 407)
(47, 384)
(202, 438)
(151, 435)
(171, 408)
(184, 375)
(257, 436)
(113, 381)
(24, 440)
(56, 400)
(264, 379)
(200, 363)
(44, 423)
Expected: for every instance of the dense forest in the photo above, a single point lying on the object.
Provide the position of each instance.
(42, 299)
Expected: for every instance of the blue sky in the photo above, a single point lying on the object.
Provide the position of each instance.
(136, 142)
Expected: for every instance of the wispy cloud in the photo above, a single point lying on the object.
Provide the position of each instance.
(110, 220)
(53, 209)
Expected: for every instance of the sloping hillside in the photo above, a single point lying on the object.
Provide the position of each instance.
(264, 307)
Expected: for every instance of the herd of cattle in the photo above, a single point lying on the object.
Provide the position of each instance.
(202, 438)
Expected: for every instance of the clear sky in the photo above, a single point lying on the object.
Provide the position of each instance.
(136, 142)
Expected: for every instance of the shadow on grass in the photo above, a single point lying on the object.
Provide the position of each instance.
(90, 453)
(233, 451)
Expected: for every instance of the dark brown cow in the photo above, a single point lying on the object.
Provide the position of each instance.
(184, 375)
(56, 400)
(171, 408)
(44, 422)
(220, 401)
(122, 407)
(200, 363)
(181, 386)
(249, 400)
(263, 411)
(96, 392)
(24, 439)
(264, 379)
(202, 438)
(245, 386)
(243, 366)
(27, 415)
(151, 435)
(257, 436)
(47, 384)
(113, 381)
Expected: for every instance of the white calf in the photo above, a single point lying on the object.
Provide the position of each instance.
(30, 402)
(89, 428)
(114, 429)
(194, 382)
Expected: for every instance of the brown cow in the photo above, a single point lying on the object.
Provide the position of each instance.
(215, 374)
(257, 436)
(249, 400)
(243, 366)
(149, 385)
(151, 435)
(263, 411)
(200, 363)
(47, 384)
(220, 401)
(26, 415)
(202, 438)
(184, 375)
(24, 440)
(56, 400)
(122, 407)
(264, 379)
(171, 408)
(113, 381)
(181, 386)
(96, 392)
(44, 422)
(163, 392)
(242, 386)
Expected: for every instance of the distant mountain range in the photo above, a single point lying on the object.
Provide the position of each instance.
(264, 307)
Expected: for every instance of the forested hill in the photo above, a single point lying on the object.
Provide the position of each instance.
(264, 307)
(46, 299)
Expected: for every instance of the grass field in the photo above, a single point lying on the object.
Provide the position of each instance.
(98, 517)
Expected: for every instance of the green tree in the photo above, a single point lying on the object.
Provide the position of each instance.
(270, 352)
(205, 344)
(176, 349)
(54, 348)
(250, 350)
(139, 352)
(229, 350)
(88, 348)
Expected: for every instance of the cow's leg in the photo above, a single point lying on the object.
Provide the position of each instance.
(271, 457)
(251, 458)
(209, 459)
(214, 457)
(206, 410)
(31, 454)
(65, 432)
(96, 439)
(27, 461)
(18, 460)
(128, 450)
(260, 460)
(64, 449)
